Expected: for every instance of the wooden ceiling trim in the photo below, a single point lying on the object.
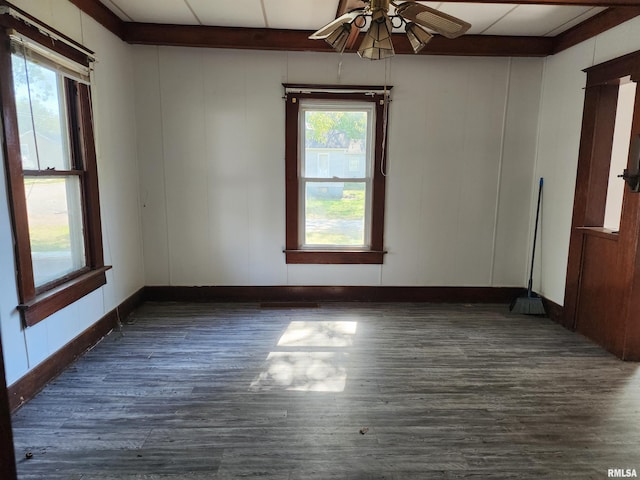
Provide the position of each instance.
(101, 14)
(593, 26)
(481, 45)
(297, 40)
(222, 37)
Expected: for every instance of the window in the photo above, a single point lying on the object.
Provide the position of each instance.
(335, 174)
(51, 165)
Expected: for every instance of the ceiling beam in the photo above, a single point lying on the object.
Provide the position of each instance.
(101, 14)
(593, 26)
(297, 40)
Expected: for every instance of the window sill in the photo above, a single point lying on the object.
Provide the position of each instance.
(335, 257)
(49, 302)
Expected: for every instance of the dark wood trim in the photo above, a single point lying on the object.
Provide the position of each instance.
(502, 295)
(222, 37)
(7, 452)
(335, 257)
(362, 97)
(479, 45)
(320, 88)
(15, 181)
(612, 71)
(28, 386)
(91, 193)
(297, 40)
(129, 304)
(593, 26)
(51, 173)
(292, 110)
(49, 302)
(554, 311)
(598, 122)
(378, 189)
(100, 13)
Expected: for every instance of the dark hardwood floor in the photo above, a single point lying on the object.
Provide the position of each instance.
(343, 391)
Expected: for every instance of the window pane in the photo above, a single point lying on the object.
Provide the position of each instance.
(55, 226)
(40, 107)
(335, 144)
(335, 213)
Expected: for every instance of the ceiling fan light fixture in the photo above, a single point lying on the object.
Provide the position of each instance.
(418, 19)
(339, 37)
(380, 27)
(446, 25)
(376, 50)
(418, 36)
(346, 19)
(377, 41)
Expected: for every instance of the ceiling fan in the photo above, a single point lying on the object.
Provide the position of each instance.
(417, 19)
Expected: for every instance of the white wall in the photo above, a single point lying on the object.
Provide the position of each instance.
(462, 139)
(560, 124)
(114, 119)
(619, 155)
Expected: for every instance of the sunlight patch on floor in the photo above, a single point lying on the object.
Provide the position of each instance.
(319, 334)
(303, 371)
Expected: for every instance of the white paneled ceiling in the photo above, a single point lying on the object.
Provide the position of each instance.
(299, 15)
(224, 13)
(537, 20)
(151, 11)
(485, 18)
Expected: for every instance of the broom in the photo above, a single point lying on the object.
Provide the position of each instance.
(532, 303)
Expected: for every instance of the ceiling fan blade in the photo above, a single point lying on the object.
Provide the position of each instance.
(446, 25)
(329, 28)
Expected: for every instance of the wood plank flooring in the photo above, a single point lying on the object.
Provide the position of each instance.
(343, 391)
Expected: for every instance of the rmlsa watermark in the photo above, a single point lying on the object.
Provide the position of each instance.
(622, 473)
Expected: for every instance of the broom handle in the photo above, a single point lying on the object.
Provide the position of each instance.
(535, 237)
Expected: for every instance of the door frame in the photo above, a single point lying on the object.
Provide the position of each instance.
(594, 157)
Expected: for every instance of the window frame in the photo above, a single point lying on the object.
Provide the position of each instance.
(295, 252)
(37, 303)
